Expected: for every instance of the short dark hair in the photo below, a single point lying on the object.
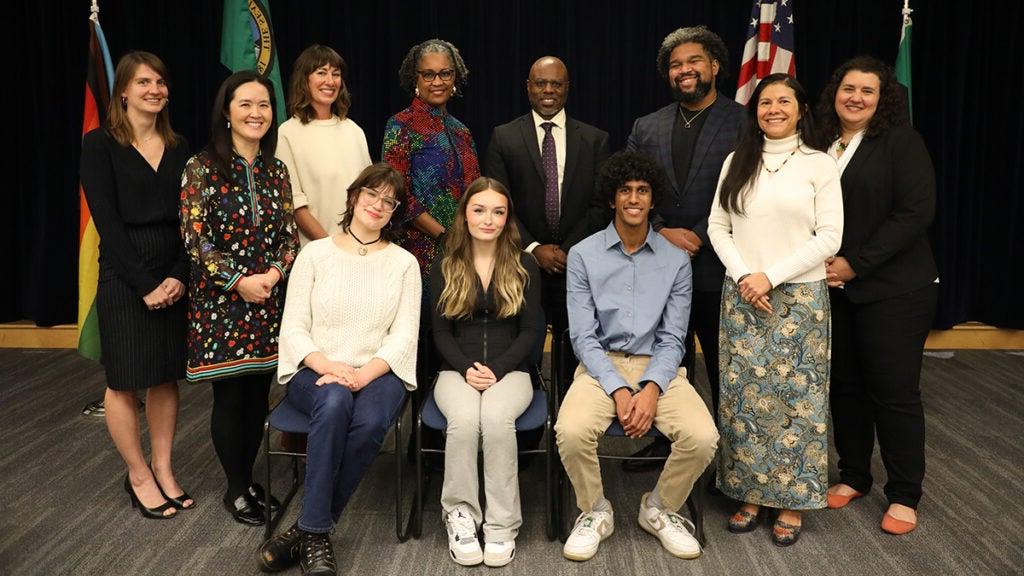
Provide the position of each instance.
(711, 42)
(627, 165)
(407, 71)
(374, 176)
(220, 146)
(299, 98)
(892, 103)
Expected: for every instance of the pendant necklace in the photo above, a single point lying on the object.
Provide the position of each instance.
(362, 249)
(687, 122)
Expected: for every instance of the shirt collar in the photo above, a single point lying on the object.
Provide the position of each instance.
(611, 238)
(558, 119)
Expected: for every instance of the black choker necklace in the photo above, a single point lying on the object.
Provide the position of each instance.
(362, 249)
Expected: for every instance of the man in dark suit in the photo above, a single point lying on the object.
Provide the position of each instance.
(690, 139)
(549, 160)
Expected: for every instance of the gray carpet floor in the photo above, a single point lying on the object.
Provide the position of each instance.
(63, 510)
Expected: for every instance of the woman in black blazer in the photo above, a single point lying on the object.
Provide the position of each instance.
(884, 286)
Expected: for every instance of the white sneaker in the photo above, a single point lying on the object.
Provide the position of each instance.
(499, 553)
(674, 531)
(586, 535)
(462, 543)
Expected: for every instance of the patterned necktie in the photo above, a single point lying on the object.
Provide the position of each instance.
(549, 161)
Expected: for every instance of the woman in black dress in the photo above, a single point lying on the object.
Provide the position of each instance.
(131, 171)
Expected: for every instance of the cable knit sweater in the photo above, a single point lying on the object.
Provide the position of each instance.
(352, 308)
(793, 218)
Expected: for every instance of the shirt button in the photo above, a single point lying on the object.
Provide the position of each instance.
(629, 314)
(628, 287)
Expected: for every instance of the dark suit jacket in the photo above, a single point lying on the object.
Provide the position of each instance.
(688, 204)
(888, 204)
(513, 158)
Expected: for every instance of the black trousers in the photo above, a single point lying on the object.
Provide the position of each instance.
(875, 389)
(704, 314)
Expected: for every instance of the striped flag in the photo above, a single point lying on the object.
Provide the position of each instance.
(98, 84)
(769, 47)
(903, 56)
(247, 43)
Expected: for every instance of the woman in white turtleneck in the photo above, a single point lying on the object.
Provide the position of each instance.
(776, 217)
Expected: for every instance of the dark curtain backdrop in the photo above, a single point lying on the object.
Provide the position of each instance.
(967, 85)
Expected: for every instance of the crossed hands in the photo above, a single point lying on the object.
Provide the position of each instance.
(754, 290)
(255, 288)
(167, 293)
(480, 377)
(636, 411)
(343, 374)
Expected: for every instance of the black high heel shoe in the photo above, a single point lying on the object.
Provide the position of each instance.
(179, 501)
(151, 513)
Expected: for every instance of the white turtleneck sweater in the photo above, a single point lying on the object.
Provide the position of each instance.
(793, 218)
(351, 308)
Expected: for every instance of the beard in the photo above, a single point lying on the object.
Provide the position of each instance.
(700, 90)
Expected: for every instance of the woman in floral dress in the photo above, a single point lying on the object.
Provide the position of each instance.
(236, 218)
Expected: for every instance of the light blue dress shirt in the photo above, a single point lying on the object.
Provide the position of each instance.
(632, 303)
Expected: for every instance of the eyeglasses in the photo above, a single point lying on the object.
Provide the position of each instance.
(428, 75)
(542, 84)
(374, 196)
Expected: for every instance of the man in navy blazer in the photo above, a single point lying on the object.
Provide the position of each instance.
(515, 157)
(690, 139)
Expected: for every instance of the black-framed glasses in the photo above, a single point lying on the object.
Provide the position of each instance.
(446, 75)
(374, 196)
(542, 84)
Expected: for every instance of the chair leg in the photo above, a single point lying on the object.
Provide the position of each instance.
(403, 534)
(549, 492)
(417, 513)
(268, 529)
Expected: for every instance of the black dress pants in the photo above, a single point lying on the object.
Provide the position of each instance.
(875, 389)
(704, 314)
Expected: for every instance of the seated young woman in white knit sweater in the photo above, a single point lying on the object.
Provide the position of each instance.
(348, 354)
(776, 217)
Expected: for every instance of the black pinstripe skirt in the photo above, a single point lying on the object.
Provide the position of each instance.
(142, 347)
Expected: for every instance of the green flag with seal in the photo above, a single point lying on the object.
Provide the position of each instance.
(903, 57)
(247, 43)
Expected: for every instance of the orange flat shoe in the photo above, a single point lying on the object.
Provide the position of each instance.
(894, 525)
(836, 501)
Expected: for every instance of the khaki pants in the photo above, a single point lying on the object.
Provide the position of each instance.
(681, 416)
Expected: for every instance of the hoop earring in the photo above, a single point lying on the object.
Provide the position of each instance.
(453, 90)
(417, 91)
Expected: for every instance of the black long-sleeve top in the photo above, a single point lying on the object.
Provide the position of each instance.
(501, 344)
(124, 191)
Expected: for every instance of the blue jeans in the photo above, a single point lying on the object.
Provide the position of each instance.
(346, 430)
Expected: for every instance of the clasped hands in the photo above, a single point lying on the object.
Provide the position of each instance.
(838, 272)
(636, 411)
(255, 288)
(550, 258)
(480, 377)
(166, 294)
(341, 373)
(754, 290)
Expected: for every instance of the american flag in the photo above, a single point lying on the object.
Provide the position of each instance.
(769, 46)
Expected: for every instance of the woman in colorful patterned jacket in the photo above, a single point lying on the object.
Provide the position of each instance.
(236, 219)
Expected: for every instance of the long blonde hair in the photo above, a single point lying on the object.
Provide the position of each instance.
(117, 114)
(509, 279)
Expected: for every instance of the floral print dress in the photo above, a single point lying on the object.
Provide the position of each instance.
(436, 154)
(234, 227)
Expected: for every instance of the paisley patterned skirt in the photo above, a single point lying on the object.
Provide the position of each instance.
(773, 415)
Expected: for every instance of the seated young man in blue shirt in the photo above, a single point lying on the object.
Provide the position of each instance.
(629, 302)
